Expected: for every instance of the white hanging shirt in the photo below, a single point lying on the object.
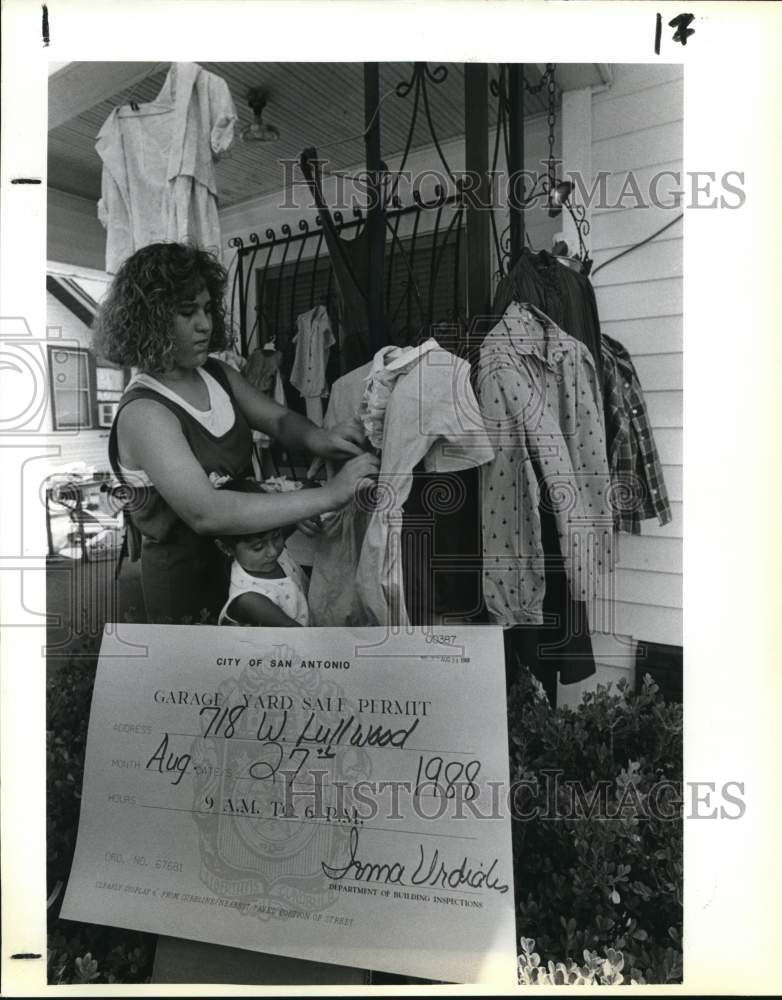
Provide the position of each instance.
(430, 415)
(314, 340)
(158, 179)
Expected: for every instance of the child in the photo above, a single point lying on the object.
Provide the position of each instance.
(267, 585)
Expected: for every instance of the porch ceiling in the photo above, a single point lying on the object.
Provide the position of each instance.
(312, 104)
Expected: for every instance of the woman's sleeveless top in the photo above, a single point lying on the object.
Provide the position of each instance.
(226, 454)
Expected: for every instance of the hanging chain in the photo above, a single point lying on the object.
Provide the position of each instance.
(551, 121)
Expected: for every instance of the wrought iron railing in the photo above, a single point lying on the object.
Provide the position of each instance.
(290, 272)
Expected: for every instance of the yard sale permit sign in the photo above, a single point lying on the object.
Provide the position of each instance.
(330, 794)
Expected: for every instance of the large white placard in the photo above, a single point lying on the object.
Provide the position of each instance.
(330, 794)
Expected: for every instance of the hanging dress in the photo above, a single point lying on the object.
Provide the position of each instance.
(158, 182)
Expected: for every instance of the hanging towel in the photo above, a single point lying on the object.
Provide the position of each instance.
(158, 181)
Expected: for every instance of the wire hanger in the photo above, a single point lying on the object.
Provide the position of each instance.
(133, 103)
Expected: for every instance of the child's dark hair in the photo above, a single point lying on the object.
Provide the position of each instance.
(134, 326)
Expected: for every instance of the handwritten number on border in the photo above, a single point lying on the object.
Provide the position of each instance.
(681, 23)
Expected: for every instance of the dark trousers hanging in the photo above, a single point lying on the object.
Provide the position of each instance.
(561, 647)
(441, 546)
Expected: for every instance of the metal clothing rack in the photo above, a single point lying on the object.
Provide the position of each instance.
(422, 269)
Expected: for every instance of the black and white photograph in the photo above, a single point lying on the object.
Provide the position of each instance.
(348, 527)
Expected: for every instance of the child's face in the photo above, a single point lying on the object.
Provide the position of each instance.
(259, 553)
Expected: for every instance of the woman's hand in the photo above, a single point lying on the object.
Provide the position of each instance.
(354, 474)
(337, 444)
(311, 527)
(351, 430)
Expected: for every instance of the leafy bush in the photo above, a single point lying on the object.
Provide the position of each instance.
(77, 952)
(605, 970)
(597, 833)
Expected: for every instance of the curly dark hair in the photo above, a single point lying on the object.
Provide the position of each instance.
(134, 325)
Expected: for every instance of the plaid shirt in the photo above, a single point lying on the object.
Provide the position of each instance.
(637, 487)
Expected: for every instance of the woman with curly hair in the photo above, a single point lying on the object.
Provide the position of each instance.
(185, 417)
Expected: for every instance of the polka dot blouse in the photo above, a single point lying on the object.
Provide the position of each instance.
(540, 397)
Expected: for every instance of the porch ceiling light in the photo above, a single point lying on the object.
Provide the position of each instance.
(258, 130)
(558, 197)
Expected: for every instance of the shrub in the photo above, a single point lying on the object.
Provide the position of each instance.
(605, 970)
(78, 952)
(598, 869)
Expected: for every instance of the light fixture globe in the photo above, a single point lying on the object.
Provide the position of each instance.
(258, 130)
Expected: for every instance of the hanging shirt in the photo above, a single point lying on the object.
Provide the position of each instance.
(540, 396)
(262, 366)
(158, 181)
(287, 592)
(387, 366)
(346, 395)
(338, 549)
(431, 408)
(638, 490)
(314, 340)
(263, 371)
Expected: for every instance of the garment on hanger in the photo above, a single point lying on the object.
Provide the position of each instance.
(231, 358)
(638, 490)
(387, 366)
(158, 181)
(262, 367)
(431, 418)
(263, 372)
(347, 393)
(338, 550)
(564, 295)
(539, 393)
(314, 341)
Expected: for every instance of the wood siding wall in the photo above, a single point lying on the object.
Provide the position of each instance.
(637, 126)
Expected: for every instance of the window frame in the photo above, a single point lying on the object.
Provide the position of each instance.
(88, 388)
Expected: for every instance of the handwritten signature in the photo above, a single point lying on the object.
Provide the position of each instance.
(431, 870)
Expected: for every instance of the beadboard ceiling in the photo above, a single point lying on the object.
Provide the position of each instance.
(312, 104)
